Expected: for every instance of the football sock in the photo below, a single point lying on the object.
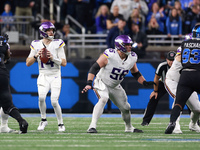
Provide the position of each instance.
(42, 107)
(97, 112)
(58, 112)
(194, 117)
(15, 114)
(175, 113)
(126, 116)
(4, 118)
(43, 119)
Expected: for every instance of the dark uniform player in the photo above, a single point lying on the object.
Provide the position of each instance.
(190, 75)
(5, 94)
(159, 88)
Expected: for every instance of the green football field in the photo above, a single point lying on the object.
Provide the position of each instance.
(110, 135)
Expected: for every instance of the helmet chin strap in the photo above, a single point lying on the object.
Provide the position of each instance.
(50, 37)
(127, 53)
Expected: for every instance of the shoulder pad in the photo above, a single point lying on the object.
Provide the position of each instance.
(36, 41)
(108, 52)
(59, 42)
(33, 43)
(179, 50)
(133, 54)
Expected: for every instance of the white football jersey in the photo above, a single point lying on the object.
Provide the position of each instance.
(115, 70)
(56, 47)
(173, 72)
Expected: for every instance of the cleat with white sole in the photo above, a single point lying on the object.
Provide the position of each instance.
(61, 128)
(42, 125)
(194, 127)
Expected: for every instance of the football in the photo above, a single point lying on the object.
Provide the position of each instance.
(43, 56)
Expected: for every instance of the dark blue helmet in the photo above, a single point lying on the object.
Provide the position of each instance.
(196, 32)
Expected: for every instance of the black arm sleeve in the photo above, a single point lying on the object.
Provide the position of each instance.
(136, 75)
(95, 68)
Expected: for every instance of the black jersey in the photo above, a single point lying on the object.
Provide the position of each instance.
(3, 52)
(190, 54)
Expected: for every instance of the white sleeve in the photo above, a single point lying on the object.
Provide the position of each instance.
(61, 52)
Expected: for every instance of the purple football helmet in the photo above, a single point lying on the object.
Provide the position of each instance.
(44, 27)
(121, 41)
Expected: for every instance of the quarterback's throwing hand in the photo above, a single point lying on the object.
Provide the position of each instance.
(145, 83)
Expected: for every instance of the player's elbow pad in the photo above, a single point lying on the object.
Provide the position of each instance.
(95, 68)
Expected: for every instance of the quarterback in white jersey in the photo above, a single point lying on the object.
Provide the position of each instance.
(114, 64)
(171, 82)
(49, 73)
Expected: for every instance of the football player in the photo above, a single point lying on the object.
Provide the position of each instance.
(110, 69)
(49, 73)
(171, 82)
(189, 78)
(6, 102)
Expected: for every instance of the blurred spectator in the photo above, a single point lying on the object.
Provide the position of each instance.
(153, 27)
(115, 31)
(191, 18)
(101, 16)
(67, 8)
(125, 7)
(24, 7)
(158, 13)
(65, 31)
(179, 9)
(84, 12)
(185, 4)
(113, 18)
(140, 38)
(7, 18)
(143, 9)
(135, 18)
(150, 3)
(103, 2)
(174, 24)
(181, 13)
(193, 3)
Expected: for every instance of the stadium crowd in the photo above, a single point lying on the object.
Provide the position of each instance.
(166, 17)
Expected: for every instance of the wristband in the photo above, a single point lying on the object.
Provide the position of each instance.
(89, 82)
(34, 57)
(155, 91)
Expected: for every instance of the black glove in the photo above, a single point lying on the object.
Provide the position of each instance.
(145, 83)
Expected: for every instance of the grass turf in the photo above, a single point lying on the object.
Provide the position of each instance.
(110, 136)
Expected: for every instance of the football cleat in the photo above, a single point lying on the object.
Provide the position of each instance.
(137, 131)
(23, 126)
(177, 129)
(194, 127)
(144, 123)
(6, 129)
(61, 128)
(91, 130)
(42, 125)
(170, 128)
